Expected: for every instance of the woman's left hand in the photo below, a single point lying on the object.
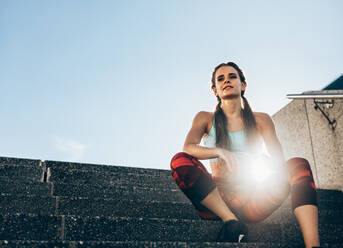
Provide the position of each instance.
(228, 161)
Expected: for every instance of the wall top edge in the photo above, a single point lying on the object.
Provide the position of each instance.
(323, 91)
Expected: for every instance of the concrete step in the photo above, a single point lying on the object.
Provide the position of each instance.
(37, 227)
(105, 168)
(145, 244)
(45, 205)
(119, 192)
(25, 173)
(147, 193)
(27, 204)
(15, 187)
(29, 227)
(20, 161)
(170, 210)
(124, 228)
(331, 195)
(66, 175)
(107, 176)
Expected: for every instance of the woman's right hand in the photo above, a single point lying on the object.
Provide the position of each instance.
(229, 158)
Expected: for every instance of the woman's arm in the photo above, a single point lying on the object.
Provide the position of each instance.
(271, 141)
(191, 145)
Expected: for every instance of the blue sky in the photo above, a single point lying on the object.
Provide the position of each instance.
(119, 82)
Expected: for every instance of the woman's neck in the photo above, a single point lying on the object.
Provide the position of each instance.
(232, 108)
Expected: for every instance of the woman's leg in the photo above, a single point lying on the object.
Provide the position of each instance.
(196, 183)
(304, 199)
(264, 199)
(214, 202)
(307, 216)
(255, 202)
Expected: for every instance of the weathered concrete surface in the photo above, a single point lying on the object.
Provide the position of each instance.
(20, 161)
(110, 178)
(305, 132)
(33, 173)
(99, 206)
(29, 227)
(30, 204)
(87, 205)
(17, 187)
(125, 228)
(105, 168)
(146, 244)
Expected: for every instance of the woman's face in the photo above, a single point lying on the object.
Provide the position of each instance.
(228, 83)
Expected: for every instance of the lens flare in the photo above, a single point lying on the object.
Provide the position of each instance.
(260, 170)
(254, 168)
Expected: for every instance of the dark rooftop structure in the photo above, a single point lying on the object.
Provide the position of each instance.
(335, 85)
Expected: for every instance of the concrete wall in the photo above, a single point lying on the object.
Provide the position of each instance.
(305, 132)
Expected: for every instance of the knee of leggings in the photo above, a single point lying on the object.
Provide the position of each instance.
(294, 162)
(297, 160)
(178, 159)
(184, 170)
(300, 171)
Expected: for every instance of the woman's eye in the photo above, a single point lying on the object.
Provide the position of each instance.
(233, 77)
(220, 79)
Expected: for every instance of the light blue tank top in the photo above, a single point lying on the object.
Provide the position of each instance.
(238, 141)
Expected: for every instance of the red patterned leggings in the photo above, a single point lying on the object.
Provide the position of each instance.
(251, 204)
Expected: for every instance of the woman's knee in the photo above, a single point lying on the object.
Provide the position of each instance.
(187, 162)
(296, 161)
(183, 159)
(297, 164)
(188, 172)
(184, 169)
(304, 190)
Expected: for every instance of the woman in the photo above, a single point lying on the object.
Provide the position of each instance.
(231, 134)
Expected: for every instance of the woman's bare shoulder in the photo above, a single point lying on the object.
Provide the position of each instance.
(261, 119)
(261, 116)
(205, 114)
(206, 117)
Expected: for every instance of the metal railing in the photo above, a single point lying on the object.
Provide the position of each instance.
(315, 95)
(329, 103)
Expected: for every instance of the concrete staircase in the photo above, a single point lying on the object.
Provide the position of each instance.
(61, 204)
